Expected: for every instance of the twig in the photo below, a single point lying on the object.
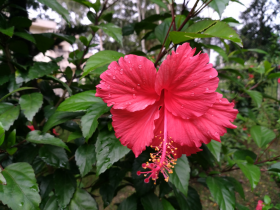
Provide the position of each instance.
(258, 158)
(173, 14)
(20, 143)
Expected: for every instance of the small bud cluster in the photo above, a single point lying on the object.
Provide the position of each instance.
(161, 161)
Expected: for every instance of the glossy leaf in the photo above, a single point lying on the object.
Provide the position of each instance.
(40, 69)
(8, 114)
(30, 104)
(275, 167)
(215, 149)
(54, 156)
(21, 191)
(242, 154)
(38, 137)
(256, 96)
(64, 186)
(26, 36)
(221, 193)
(241, 207)
(89, 120)
(128, 29)
(108, 151)
(166, 205)
(19, 89)
(51, 204)
(218, 50)
(219, 6)
(82, 201)
(161, 31)
(53, 4)
(251, 171)
(85, 158)
(262, 135)
(236, 186)
(151, 202)
(112, 30)
(129, 203)
(200, 26)
(2, 134)
(100, 59)
(181, 175)
(8, 31)
(273, 75)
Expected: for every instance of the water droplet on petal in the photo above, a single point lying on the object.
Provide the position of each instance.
(207, 89)
(192, 94)
(133, 96)
(113, 102)
(140, 66)
(108, 87)
(182, 107)
(188, 118)
(114, 77)
(109, 95)
(130, 69)
(128, 61)
(129, 102)
(210, 76)
(133, 89)
(121, 71)
(124, 81)
(194, 84)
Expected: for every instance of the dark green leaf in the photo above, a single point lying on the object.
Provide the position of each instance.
(82, 201)
(40, 69)
(251, 171)
(54, 5)
(2, 134)
(242, 154)
(275, 167)
(61, 82)
(256, 96)
(166, 205)
(2, 179)
(64, 185)
(89, 120)
(54, 156)
(219, 5)
(21, 191)
(85, 158)
(51, 204)
(273, 75)
(220, 192)
(75, 135)
(230, 20)
(129, 203)
(181, 175)
(91, 16)
(60, 117)
(160, 3)
(200, 26)
(236, 186)
(151, 202)
(100, 59)
(262, 135)
(64, 37)
(107, 194)
(30, 104)
(43, 42)
(8, 31)
(8, 114)
(218, 50)
(46, 185)
(20, 22)
(215, 149)
(112, 30)
(26, 36)
(84, 41)
(161, 31)
(11, 140)
(128, 29)
(108, 151)
(241, 207)
(237, 60)
(38, 137)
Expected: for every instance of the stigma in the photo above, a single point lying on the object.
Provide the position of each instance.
(161, 161)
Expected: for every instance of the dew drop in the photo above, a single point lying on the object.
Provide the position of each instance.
(108, 87)
(188, 118)
(230, 35)
(138, 86)
(207, 89)
(129, 102)
(210, 76)
(121, 71)
(109, 95)
(128, 61)
(182, 107)
(114, 77)
(133, 89)
(124, 81)
(130, 69)
(194, 84)
(133, 96)
(192, 94)
(113, 102)
(109, 67)
(140, 66)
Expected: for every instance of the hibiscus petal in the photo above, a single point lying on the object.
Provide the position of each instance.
(129, 84)
(189, 82)
(188, 135)
(135, 129)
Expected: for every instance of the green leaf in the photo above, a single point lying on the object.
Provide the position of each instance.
(11, 140)
(160, 3)
(230, 20)
(60, 117)
(2, 134)
(242, 154)
(43, 41)
(64, 37)
(181, 175)
(30, 104)
(85, 158)
(161, 31)
(267, 199)
(54, 5)
(20, 22)
(80, 102)
(61, 82)
(64, 187)
(241, 207)
(112, 30)
(166, 205)
(273, 75)
(82, 201)
(40, 69)
(54, 156)
(256, 96)
(91, 16)
(236, 186)
(2, 179)
(89, 120)
(251, 171)
(21, 191)
(108, 151)
(218, 50)
(100, 59)
(8, 31)
(19, 89)
(128, 29)
(219, 6)
(26, 36)
(200, 26)
(8, 114)
(38, 137)
(275, 167)
(75, 135)
(129, 203)
(191, 202)
(220, 192)
(219, 29)
(51, 204)
(215, 149)
(262, 135)
(151, 202)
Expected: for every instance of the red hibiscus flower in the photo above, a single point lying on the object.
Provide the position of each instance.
(278, 80)
(31, 127)
(173, 110)
(260, 205)
(251, 76)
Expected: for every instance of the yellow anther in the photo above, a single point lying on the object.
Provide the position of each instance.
(175, 148)
(166, 179)
(154, 183)
(170, 137)
(159, 137)
(150, 160)
(145, 175)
